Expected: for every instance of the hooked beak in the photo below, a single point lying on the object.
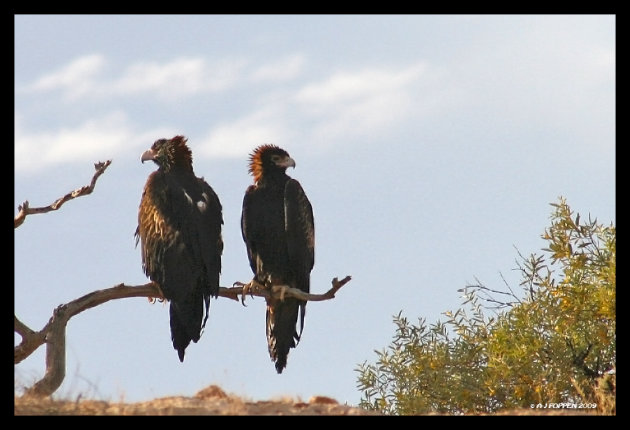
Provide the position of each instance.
(147, 155)
(287, 162)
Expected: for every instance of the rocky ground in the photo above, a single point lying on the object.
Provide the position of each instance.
(209, 401)
(213, 400)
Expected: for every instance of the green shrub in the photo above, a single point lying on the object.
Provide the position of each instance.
(554, 342)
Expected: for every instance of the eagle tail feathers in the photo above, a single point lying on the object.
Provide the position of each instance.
(188, 319)
(281, 330)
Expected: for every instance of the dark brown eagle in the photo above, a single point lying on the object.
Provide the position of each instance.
(179, 228)
(279, 233)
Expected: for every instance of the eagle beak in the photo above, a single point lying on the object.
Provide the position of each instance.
(287, 162)
(147, 155)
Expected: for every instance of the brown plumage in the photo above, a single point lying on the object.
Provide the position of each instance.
(279, 233)
(179, 229)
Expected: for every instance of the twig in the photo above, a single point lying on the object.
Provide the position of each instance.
(25, 210)
(298, 294)
(281, 291)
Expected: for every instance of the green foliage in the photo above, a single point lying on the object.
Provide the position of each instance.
(553, 343)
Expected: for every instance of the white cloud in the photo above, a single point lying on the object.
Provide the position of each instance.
(346, 104)
(238, 138)
(173, 79)
(342, 106)
(177, 78)
(77, 78)
(94, 140)
(184, 74)
(519, 80)
(357, 86)
(359, 103)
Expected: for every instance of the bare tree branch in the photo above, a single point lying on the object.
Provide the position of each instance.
(30, 340)
(253, 288)
(25, 210)
(54, 332)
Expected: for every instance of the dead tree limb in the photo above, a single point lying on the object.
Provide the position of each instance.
(25, 210)
(54, 332)
(253, 288)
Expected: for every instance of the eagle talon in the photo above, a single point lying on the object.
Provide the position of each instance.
(247, 289)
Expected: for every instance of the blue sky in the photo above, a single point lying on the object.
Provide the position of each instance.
(429, 146)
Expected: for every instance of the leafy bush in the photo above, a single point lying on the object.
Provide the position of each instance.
(553, 343)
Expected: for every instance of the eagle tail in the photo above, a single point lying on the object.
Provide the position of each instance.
(281, 330)
(187, 321)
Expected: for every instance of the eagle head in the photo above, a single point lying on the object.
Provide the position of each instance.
(169, 154)
(269, 159)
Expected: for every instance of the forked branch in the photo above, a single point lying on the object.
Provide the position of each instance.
(279, 292)
(54, 332)
(24, 209)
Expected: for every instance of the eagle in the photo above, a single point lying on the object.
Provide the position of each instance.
(279, 233)
(179, 229)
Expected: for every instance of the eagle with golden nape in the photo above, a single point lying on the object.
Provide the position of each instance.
(179, 230)
(279, 233)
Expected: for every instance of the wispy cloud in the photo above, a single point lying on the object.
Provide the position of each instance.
(351, 102)
(239, 137)
(361, 102)
(524, 80)
(350, 86)
(92, 76)
(77, 79)
(178, 78)
(94, 140)
(346, 104)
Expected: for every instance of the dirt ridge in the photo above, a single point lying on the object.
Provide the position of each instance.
(211, 400)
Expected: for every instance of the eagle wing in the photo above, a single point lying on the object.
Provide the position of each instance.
(248, 227)
(300, 232)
